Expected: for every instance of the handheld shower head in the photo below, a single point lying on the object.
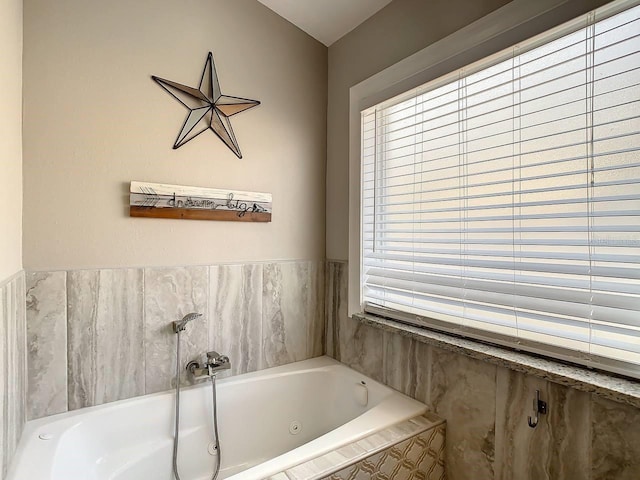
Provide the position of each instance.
(181, 325)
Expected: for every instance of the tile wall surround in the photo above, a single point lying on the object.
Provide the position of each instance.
(13, 366)
(612, 387)
(79, 356)
(97, 336)
(584, 435)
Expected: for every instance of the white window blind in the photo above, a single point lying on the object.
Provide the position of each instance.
(502, 201)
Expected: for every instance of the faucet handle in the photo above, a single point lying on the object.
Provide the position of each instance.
(223, 360)
(220, 362)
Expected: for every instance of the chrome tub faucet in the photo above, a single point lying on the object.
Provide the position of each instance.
(214, 363)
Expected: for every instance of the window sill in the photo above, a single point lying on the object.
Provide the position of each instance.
(614, 388)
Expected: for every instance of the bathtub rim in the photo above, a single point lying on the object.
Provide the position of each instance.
(395, 400)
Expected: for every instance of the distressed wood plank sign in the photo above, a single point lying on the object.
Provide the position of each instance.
(156, 200)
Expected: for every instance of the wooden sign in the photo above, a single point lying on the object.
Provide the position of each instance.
(156, 200)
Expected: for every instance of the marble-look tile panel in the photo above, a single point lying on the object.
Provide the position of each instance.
(105, 336)
(479, 443)
(615, 440)
(21, 365)
(335, 305)
(94, 310)
(46, 301)
(591, 381)
(463, 393)
(13, 374)
(170, 294)
(3, 381)
(12, 392)
(235, 315)
(558, 448)
(361, 347)
(315, 308)
(406, 366)
(292, 312)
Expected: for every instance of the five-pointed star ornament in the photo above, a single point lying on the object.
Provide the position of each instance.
(208, 108)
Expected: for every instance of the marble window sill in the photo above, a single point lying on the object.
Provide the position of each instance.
(609, 386)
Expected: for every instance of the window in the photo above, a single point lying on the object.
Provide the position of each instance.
(502, 201)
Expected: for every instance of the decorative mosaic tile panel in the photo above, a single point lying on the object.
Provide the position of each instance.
(413, 449)
(420, 457)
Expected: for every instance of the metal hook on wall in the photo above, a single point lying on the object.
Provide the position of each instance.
(538, 407)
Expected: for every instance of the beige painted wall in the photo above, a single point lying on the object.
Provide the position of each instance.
(10, 138)
(94, 120)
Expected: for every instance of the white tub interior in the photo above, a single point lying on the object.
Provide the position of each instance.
(133, 439)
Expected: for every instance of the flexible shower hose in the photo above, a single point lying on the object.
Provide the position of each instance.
(176, 435)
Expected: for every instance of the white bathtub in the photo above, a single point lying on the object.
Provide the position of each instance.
(133, 439)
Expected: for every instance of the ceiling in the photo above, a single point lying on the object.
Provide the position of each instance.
(326, 20)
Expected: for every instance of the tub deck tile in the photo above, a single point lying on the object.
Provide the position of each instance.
(427, 419)
(372, 442)
(352, 450)
(280, 476)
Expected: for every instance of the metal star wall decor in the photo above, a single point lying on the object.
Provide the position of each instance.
(208, 108)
